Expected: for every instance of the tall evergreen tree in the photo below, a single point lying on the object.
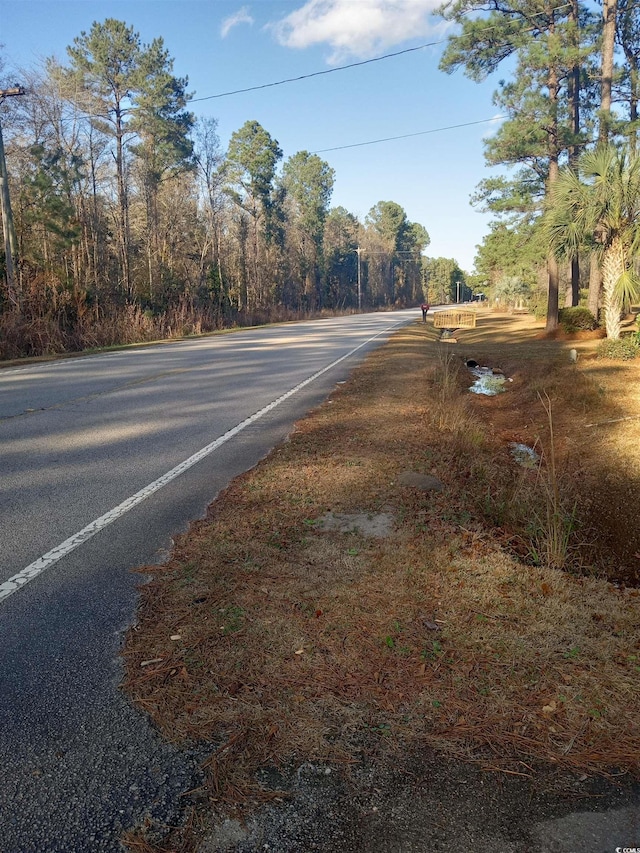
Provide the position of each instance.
(628, 35)
(445, 279)
(395, 252)
(104, 64)
(252, 158)
(308, 181)
(162, 126)
(132, 95)
(342, 267)
(537, 34)
(609, 14)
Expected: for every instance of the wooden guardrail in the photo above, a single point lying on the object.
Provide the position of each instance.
(454, 319)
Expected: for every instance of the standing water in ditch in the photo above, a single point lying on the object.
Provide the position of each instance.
(487, 381)
(491, 383)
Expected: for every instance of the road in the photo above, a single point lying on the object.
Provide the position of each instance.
(102, 459)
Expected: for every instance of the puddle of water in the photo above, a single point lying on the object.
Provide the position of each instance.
(524, 455)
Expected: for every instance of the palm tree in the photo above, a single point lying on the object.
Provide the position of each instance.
(598, 208)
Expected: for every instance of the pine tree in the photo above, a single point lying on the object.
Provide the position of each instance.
(252, 158)
(541, 98)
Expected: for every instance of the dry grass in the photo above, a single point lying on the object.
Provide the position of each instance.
(276, 641)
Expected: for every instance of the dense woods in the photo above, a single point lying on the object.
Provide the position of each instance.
(130, 222)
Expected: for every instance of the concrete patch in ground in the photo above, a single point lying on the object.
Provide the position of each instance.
(590, 832)
(424, 482)
(377, 526)
(424, 804)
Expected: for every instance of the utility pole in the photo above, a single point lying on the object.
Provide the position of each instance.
(8, 228)
(359, 251)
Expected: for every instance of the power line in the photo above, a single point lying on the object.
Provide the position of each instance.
(354, 65)
(318, 73)
(407, 135)
(351, 64)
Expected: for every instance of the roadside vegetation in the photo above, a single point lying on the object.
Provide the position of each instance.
(495, 621)
(132, 223)
(136, 225)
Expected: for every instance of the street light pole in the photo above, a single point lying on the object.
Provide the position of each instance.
(359, 281)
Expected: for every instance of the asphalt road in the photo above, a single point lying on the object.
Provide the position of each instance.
(79, 439)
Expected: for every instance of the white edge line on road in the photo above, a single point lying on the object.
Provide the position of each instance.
(38, 566)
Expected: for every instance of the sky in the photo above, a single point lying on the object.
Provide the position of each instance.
(223, 46)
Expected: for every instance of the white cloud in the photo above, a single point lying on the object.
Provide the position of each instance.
(242, 16)
(356, 27)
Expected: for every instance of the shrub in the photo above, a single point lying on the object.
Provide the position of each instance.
(621, 349)
(537, 304)
(577, 319)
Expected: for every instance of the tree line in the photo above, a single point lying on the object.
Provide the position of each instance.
(132, 223)
(569, 143)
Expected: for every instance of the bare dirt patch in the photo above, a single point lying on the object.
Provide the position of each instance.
(279, 641)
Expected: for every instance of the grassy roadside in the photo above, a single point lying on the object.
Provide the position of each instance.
(497, 620)
(25, 361)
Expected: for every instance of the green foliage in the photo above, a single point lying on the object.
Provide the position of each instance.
(133, 97)
(620, 349)
(393, 255)
(419, 236)
(309, 182)
(443, 277)
(106, 59)
(501, 196)
(628, 37)
(549, 61)
(515, 251)
(251, 164)
(47, 193)
(115, 177)
(340, 258)
(537, 303)
(251, 170)
(132, 223)
(592, 207)
(390, 221)
(577, 319)
(483, 42)
(432, 653)
(232, 618)
(512, 291)
(160, 119)
(598, 207)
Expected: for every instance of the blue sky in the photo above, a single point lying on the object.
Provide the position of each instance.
(222, 46)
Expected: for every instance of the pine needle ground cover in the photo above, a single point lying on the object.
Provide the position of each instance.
(496, 619)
